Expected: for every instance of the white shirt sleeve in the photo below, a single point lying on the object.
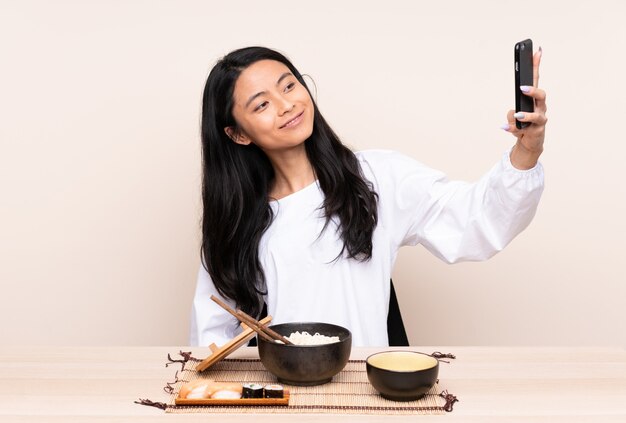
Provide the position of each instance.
(210, 323)
(456, 221)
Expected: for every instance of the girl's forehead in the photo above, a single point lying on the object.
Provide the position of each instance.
(260, 76)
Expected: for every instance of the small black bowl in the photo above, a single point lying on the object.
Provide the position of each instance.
(306, 365)
(402, 375)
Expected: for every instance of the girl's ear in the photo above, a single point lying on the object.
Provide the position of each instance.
(237, 136)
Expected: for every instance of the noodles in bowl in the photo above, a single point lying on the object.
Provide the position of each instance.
(311, 363)
(305, 338)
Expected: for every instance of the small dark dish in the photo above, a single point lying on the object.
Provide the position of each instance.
(306, 365)
(402, 375)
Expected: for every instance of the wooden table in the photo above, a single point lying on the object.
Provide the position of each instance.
(89, 384)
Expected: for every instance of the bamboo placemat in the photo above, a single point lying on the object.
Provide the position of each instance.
(349, 392)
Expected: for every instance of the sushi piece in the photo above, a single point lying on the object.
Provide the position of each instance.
(273, 391)
(226, 394)
(226, 390)
(252, 390)
(204, 389)
(196, 389)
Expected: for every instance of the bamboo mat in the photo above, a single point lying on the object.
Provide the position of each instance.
(349, 392)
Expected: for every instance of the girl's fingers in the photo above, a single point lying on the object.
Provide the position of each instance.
(538, 94)
(509, 117)
(536, 63)
(534, 92)
(537, 118)
(510, 125)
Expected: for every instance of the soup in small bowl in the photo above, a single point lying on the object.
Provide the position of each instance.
(402, 375)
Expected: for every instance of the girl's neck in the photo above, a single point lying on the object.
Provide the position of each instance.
(292, 172)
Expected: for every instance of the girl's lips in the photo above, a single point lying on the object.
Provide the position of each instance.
(293, 122)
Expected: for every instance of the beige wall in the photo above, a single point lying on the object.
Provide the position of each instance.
(100, 176)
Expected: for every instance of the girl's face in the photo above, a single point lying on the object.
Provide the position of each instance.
(271, 107)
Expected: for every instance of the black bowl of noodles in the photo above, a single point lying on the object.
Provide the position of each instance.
(306, 365)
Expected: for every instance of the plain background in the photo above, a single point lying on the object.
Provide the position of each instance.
(100, 159)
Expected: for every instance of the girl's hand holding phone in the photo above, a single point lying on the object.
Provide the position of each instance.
(529, 145)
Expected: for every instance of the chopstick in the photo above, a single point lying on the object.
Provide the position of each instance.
(264, 332)
(250, 321)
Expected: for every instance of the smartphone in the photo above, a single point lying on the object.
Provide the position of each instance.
(523, 76)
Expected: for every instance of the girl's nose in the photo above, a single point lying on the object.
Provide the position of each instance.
(286, 106)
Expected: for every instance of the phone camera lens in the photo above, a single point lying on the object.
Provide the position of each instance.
(523, 46)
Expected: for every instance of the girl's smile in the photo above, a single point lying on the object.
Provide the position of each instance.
(293, 122)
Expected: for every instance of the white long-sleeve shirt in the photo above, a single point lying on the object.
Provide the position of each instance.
(456, 221)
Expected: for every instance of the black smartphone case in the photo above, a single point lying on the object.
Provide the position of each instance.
(523, 76)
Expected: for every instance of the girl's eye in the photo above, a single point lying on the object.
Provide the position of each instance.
(290, 86)
(261, 106)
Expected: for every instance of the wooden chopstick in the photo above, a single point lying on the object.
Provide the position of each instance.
(264, 332)
(254, 326)
(248, 320)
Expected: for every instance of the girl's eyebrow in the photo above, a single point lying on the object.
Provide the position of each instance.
(251, 99)
(283, 76)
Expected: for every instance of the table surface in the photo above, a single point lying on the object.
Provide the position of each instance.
(499, 384)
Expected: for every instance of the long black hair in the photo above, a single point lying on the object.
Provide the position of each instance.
(237, 179)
